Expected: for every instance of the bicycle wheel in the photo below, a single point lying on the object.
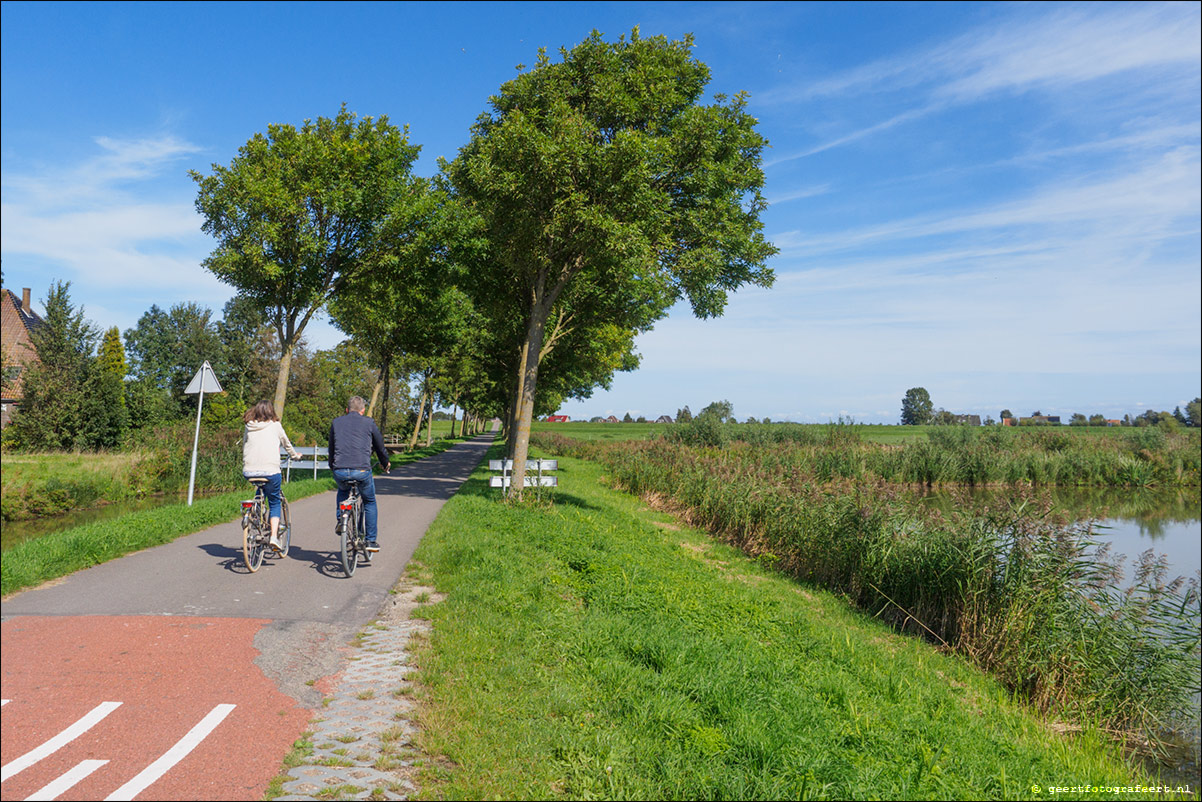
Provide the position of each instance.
(285, 527)
(361, 540)
(252, 540)
(348, 537)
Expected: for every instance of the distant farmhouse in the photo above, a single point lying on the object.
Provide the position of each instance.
(1040, 420)
(612, 419)
(17, 322)
(664, 419)
(557, 419)
(971, 420)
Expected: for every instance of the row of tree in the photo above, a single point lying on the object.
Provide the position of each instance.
(594, 193)
(917, 409)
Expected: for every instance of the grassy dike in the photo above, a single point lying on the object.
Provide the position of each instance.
(592, 648)
(60, 553)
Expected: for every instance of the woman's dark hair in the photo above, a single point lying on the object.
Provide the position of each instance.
(262, 411)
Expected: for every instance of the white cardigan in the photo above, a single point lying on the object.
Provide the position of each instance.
(261, 441)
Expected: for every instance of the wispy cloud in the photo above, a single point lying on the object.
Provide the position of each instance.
(798, 194)
(97, 221)
(1057, 50)
(1159, 199)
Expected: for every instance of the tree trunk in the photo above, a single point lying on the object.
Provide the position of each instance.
(387, 371)
(430, 420)
(417, 427)
(527, 381)
(375, 392)
(513, 419)
(281, 381)
(454, 415)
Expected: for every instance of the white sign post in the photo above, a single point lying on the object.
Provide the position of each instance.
(204, 381)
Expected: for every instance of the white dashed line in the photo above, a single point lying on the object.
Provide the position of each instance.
(67, 781)
(59, 741)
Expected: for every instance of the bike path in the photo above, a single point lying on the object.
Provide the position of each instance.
(176, 674)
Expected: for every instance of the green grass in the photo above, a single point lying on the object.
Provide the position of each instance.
(50, 556)
(591, 648)
(1022, 595)
(39, 484)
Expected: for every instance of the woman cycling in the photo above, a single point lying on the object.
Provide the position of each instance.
(261, 441)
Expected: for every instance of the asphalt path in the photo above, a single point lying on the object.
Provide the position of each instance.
(178, 653)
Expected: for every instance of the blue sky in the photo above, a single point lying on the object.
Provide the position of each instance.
(997, 202)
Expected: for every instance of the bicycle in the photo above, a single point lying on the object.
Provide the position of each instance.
(256, 527)
(352, 533)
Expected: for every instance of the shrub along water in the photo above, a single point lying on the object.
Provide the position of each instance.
(1024, 597)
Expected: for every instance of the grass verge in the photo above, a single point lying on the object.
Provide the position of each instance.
(591, 648)
(57, 554)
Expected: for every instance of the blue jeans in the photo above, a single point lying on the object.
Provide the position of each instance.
(272, 491)
(367, 489)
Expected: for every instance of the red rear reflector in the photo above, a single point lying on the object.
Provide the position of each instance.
(246, 505)
(346, 505)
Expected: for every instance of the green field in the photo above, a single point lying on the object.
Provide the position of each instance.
(868, 432)
(591, 648)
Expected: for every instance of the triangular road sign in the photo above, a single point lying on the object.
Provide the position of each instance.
(205, 379)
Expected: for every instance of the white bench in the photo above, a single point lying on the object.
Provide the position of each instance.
(315, 457)
(506, 477)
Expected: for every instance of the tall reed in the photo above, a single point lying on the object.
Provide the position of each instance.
(1140, 457)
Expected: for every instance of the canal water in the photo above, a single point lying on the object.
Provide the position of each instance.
(14, 532)
(1169, 523)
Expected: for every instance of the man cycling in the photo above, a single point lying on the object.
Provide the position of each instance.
(353, 437)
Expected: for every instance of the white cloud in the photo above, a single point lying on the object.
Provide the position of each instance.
(1058, 50)
(94, 218)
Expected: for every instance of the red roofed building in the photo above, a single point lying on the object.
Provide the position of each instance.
(557, 419)
(17, 321)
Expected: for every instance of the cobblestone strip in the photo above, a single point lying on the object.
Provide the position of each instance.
(362, 737)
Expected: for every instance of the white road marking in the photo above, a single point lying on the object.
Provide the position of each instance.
(59, 741)
(3, 702)
(172, 756)
(67, 781)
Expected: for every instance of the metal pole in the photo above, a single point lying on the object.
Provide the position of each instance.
(196, 442)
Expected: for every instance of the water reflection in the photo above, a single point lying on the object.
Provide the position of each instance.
(1132, 521)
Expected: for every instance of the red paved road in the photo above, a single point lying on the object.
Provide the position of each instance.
(168, 673)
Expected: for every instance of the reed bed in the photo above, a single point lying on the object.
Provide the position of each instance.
(1029, 599)
(1140, 457)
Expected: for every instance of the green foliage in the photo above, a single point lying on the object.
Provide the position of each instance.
(299, 212)
(608, 191)
(719, 411)
(167, 348)
(70, 399)
(916, 407)
(111, 354)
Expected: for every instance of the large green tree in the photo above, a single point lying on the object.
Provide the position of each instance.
(604, 181)
(916, 407)
(166, 348)
(54, 386)
(297, 213)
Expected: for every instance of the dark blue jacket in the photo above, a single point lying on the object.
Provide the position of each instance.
(352, 438)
